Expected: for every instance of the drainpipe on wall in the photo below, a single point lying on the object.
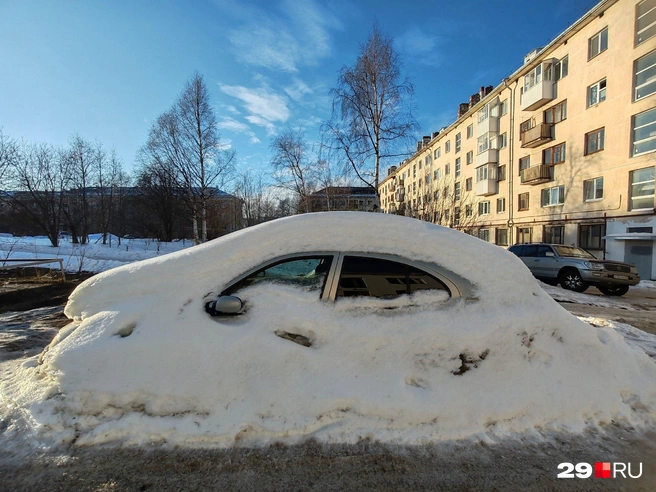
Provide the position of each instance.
(511, 174)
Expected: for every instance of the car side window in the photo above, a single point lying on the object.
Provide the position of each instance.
(374, 277)
(530, 250)
(307, 272)
(543, 250)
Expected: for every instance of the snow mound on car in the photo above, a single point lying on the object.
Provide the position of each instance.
(143, 362)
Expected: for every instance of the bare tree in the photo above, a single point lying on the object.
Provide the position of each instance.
(160, 192)
(372, 119)
(109, 174)
(258, 204)
(41, 176)
(83, 157)
(292, 167)
(186, 137)
(8, 153)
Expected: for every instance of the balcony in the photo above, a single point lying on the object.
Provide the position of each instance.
(489, 124)
(536, 174)
(536, 136)
(486, 157)
(486, 187)
(538, 95)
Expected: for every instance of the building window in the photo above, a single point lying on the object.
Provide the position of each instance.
(593, 189)
(522, 201)
(598, 43)
(554, 234)
(557, 113)
(437, 195)
(483, 174)
(468, 211)
(501, 205)
(591, 236)
(597, 93)
(429, 160)
(502, 141)
(553, 196)
(524, 235)
(447, 147)
(524, 163)
(447, 214)
(644, 81)
(642, 188)
(484, 234)
(503, 109)
(468, 184)
(554, 155)
(456, 191)
(420, 163)
(458, 142)
(428, 179)
(483, 143)
(437, 174)
(594, 141)
(457, 167)
(532, 78)
(483, 113)
(470, 157)
(501, 237)
(501, 173)
(456, 216)
(645, 21)
(643, 138)
(438, 153)
(561, 68)
(470, 131)
(447, 169)
(484, 208)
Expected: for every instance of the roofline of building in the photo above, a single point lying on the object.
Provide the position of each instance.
(578, 25)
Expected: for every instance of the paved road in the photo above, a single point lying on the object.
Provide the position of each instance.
(636, 308)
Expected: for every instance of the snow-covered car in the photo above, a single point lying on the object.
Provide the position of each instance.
(336, 326)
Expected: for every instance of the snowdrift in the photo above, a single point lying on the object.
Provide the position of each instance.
(142, 362)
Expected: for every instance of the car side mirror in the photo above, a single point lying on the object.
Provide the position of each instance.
(224, 305)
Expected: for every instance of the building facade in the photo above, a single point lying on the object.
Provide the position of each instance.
(562, 151)
(343, 198)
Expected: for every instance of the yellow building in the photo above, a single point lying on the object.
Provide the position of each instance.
(562, 151)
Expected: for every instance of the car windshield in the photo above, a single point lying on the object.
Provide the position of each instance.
(573, 252)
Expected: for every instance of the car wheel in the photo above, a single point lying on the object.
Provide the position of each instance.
(571, 280)
(614, 290)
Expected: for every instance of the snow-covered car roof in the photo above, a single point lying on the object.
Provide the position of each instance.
(144, 362)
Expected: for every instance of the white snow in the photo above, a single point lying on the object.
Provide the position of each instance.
(92, 257)
(144, 363)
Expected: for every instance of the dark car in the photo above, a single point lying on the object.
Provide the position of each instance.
(576, 269)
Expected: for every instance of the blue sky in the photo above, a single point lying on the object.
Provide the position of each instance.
(107, 69)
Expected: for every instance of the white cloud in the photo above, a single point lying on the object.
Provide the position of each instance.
(298, 36)
(264, 107)
(420, 46)
(297, 90)
(232, 125)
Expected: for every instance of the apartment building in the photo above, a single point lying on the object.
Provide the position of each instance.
(562, 151)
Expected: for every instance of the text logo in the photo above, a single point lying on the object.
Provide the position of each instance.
(602, 469)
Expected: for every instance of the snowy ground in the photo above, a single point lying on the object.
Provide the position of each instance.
(92, 257)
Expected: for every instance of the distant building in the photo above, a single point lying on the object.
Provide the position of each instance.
(343, 198)
(561, 151)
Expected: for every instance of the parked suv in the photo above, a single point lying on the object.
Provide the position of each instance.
(576, 269)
